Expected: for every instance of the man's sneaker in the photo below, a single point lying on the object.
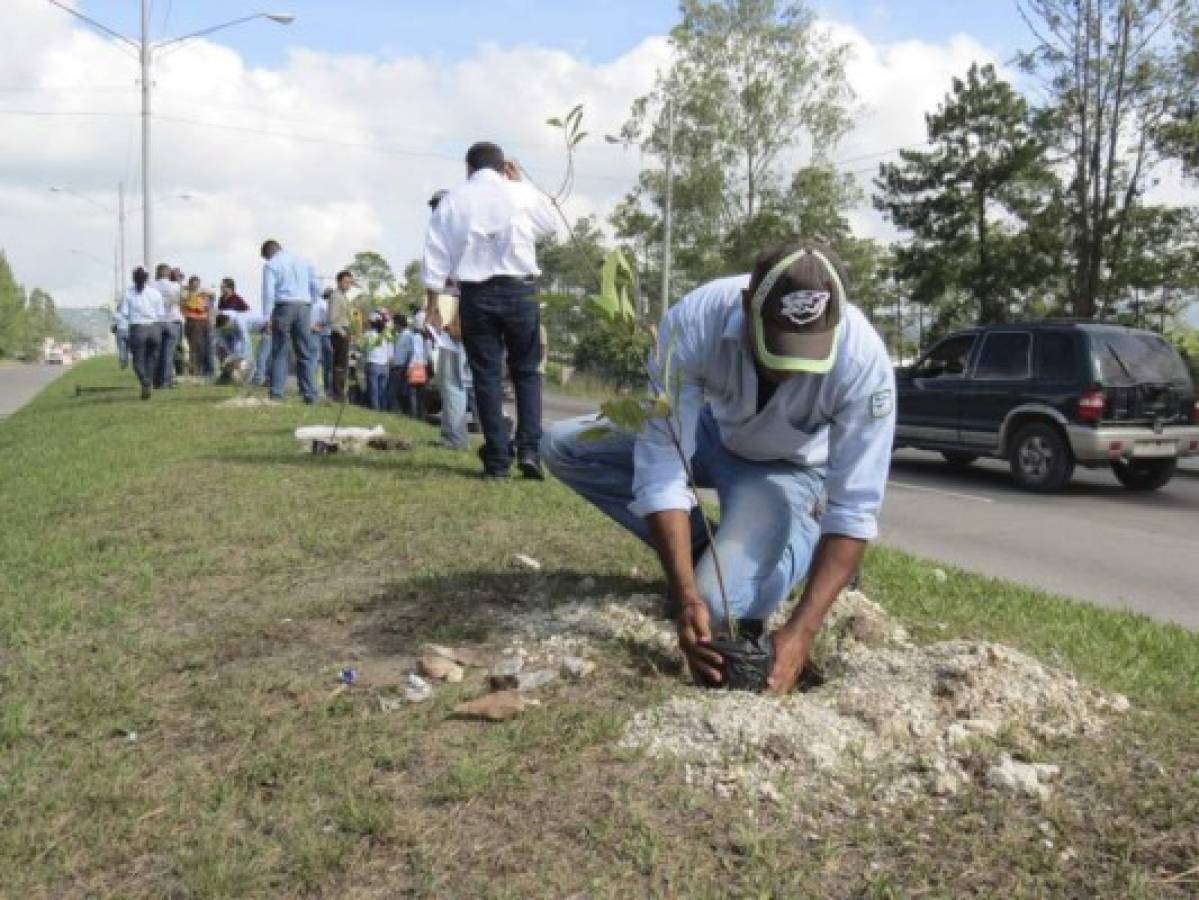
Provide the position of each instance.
(530, 467)
(145, 393)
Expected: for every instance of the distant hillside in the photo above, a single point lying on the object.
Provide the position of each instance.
(89, 323)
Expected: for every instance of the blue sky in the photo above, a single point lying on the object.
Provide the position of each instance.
(598, 32)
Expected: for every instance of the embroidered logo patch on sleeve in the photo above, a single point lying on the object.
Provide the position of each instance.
(882, 404)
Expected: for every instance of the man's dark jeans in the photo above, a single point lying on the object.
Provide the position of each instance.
(145, 345)
(499, 315)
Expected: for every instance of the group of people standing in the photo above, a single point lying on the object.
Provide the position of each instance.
(171, 326)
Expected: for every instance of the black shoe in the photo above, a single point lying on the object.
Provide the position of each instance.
(145, 393)
(530, 467)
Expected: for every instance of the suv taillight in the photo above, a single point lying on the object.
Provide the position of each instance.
(1091, 406)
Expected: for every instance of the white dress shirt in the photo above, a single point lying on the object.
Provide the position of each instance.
(843, 421)
(142, 307)
(486, 227)
(171, 293)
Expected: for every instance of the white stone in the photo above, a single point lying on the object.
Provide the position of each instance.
(576, 667)
(939, 575)
(418, 690)
(524, 561)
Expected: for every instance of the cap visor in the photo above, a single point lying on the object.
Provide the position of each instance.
(801, 352)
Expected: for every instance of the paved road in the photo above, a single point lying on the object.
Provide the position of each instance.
(1097, 541)
(20, 383)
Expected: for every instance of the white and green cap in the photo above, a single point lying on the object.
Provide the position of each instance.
(796, 312)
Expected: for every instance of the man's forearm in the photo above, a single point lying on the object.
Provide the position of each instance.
(834, 563)
(670, 531)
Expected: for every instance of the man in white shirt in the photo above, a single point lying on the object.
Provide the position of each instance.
(784, 394)
(483, 237)
(169, 283)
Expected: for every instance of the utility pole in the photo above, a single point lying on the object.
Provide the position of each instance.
(121, 224)
(147, 205)
(668, 209)
(145, 50)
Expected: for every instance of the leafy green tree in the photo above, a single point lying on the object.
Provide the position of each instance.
(751, 81)
(1178, 134)
(412, 292)
(1114, 73)
(13, 319)
(572, 266)
(967, 202)
(373, 273)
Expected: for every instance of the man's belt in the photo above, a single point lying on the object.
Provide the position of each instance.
(502, 281)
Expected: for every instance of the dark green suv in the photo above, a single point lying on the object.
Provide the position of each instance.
(1048, 396)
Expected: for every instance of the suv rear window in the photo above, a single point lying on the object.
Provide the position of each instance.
(1136, 357)
(1057, 358)
(1004, 355)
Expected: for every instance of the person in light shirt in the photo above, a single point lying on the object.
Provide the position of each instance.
(167, 282)
(482, 236)
(289, 290)
(785, 404)
(143, 309)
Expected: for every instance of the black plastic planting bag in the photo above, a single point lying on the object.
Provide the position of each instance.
(746, 661)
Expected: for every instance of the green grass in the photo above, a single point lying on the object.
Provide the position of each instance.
(180, 583)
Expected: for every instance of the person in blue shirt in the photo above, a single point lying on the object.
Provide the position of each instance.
(784, 401)
(289, 290)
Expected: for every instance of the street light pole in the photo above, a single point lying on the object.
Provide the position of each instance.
(145, 49)
(147, 206)
(121, 223)
(668, 209)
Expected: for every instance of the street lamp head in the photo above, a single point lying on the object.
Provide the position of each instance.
(281, 18)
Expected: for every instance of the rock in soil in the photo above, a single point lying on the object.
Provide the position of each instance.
(497, 707)
(576, 667)
(504, 673)
(522, 561)
(418, 690)
(532, 680)
(1020, 779)
(439, 668)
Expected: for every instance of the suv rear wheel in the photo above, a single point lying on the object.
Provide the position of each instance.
(959, 460)
(1145, 474)
(1041, 459)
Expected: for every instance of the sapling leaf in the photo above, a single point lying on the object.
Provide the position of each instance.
(594, 433)
(625, 412)
(554, 121)
(578, 138)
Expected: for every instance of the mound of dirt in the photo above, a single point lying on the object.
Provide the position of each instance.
(907, 719)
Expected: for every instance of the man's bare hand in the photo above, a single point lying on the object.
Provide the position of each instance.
(512, 170)
(695, 635)
(791, 648)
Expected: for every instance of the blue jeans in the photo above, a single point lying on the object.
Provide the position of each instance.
(122, 348)
(501, 317)
(377, 375)
(451, 367)
(145, 342)
(768, 510)
(291, 321)
(322, 353)
(262, 359)
(171, 334)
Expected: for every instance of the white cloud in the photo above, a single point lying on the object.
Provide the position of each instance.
(371, 138)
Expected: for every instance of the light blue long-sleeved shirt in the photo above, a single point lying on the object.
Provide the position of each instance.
(142, 307)
(843, 421)
(287, 278)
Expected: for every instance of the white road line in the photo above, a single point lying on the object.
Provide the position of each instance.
(928, 490)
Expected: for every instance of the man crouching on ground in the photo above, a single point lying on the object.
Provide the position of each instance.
(786, 402)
